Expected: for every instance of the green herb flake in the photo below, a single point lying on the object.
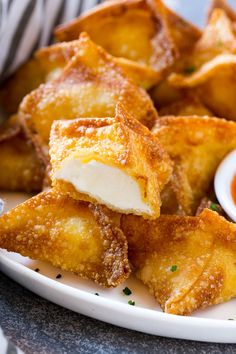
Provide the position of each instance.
(214, 207)
(96, 294)
(36, 270)
(127, 291)
(190, 69)
(173, 268)
(131, 302)
(58, 276)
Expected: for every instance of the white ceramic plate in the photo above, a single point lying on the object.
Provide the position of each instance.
(74, 293)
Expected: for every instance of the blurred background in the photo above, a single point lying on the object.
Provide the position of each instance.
(193, 10)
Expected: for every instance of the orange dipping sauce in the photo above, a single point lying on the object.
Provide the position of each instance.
(233, 189)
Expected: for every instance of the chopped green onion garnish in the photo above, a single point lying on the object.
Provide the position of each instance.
(190, 69)
(127, 291)
(173, 268)
(214, 207)
(130, 302)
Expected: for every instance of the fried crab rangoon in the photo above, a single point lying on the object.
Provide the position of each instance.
(113, 161)
(21, 169)
(196, 145)
(73, 235)
(213, 63)
(143, 31)
(188, 263)
(48, 63)
(127, 29)
(89, 86)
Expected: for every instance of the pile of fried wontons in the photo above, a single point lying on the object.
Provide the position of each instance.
(115, 125)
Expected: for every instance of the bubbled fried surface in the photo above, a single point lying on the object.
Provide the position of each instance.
(120, 142)
(188, 263)
(72, 235)
(212, 65)
(196, 145)
(48, 63)
(90, 86)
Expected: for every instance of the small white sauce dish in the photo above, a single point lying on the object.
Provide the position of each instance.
(222, 183)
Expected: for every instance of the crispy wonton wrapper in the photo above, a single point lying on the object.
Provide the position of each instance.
(196, 145)
(121, 143)
(222, 4)
(213, 65)
(21, 169)
(183, 36)
(89, 86)
(73, 235)
(126, 28)
(188, 263)
(145, 31)
(188, 106)
(48, 63)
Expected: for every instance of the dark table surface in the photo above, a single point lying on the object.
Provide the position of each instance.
(38, 326)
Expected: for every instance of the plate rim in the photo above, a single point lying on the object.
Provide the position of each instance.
(118, 313)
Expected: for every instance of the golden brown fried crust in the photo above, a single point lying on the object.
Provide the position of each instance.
(210, 69)
(160, 33)
(21, 169)
(182, 33)
(128, 28)
(121, 142)
(114, 253)
(196, 145)
(72, 235)
(48, 63)
(90, 86)
(222, 4)
(188, 263)
(183, 36)
(187, 106)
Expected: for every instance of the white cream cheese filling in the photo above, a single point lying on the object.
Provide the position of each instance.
(108, 185)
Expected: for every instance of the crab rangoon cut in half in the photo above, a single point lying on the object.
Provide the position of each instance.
(112, 161)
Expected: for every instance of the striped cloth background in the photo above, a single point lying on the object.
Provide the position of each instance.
(27, 24)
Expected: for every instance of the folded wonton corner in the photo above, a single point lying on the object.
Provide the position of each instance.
(113, 161)
(196, 145)
(89, 86)
(47, 65)
(210, 71)
(188, 263)
(73, 235)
